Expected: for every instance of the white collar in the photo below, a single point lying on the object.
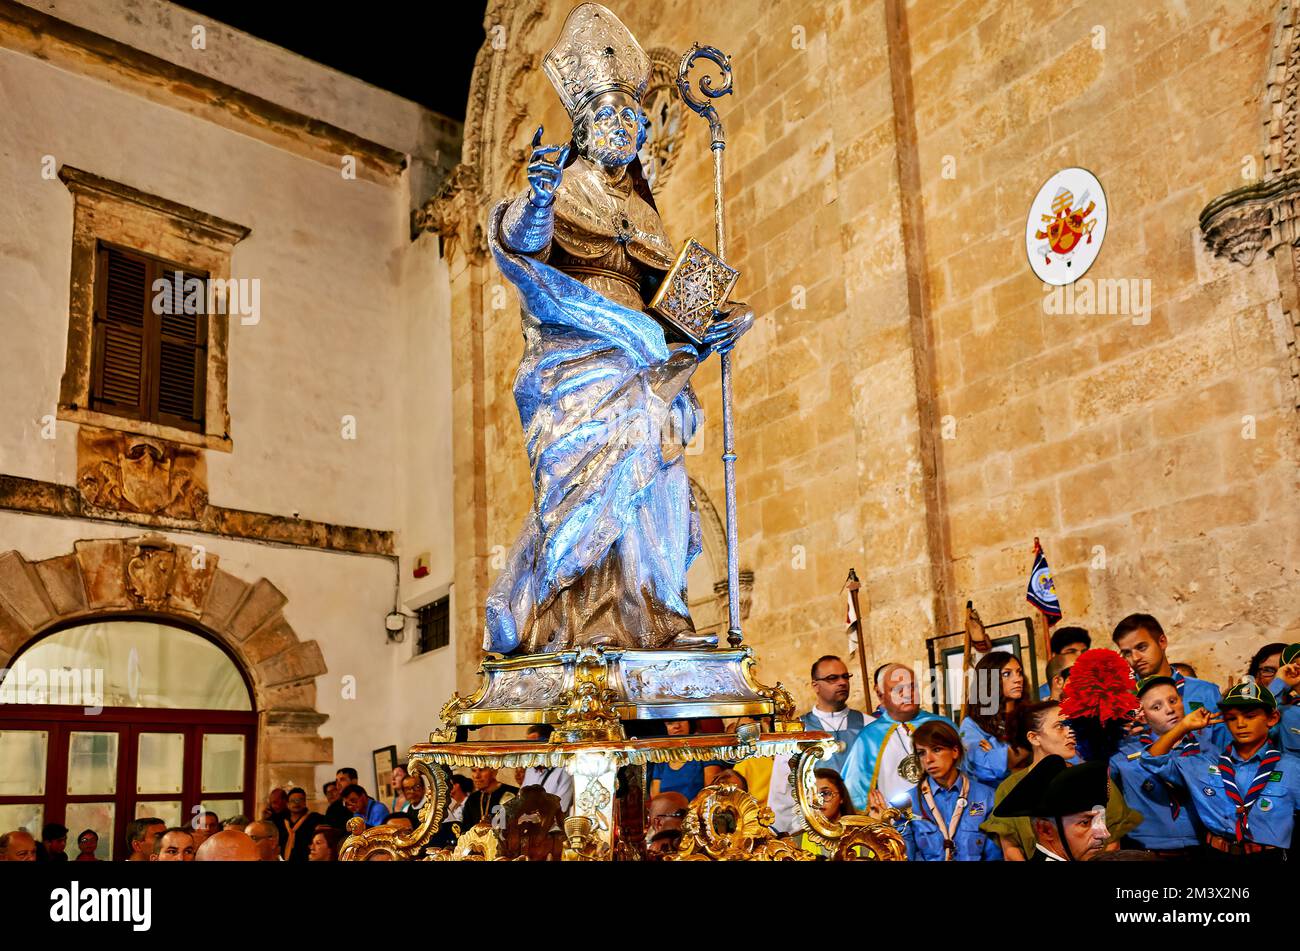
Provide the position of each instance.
(1051, 856)
(829, 718)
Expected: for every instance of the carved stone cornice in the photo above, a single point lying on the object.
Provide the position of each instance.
(1257, 217)
(35, 497)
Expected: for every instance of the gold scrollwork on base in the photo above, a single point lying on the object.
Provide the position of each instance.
(479, 844)
(783, 707)
(364, 843)
(726, 824)
(589, 712)
(851, 838)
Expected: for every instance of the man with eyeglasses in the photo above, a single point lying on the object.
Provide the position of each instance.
(267, 839)
(831, 682)
(666, 812)
(831, 713)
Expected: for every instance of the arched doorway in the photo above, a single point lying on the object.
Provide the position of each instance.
(181, 586)
(118, 718)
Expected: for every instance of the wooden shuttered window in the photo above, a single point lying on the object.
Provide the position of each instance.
(433, 621)
(150, 356)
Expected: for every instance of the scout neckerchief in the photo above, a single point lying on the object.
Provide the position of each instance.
(1189, 746)
(1229, 773)
(292, 828)
(947, 826)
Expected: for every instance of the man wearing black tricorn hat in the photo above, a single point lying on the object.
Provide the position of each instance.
(1067, 807)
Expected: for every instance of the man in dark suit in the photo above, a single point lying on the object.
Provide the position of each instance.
(338, 814)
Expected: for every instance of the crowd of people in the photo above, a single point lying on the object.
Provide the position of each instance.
(1193, 772)
(1190, 771)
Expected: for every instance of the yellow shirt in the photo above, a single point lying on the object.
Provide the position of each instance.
(757, 771)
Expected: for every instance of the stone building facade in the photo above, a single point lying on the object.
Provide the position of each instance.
(907, 404)
(285, 528)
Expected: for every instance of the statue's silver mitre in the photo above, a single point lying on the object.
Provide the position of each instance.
(596, 53)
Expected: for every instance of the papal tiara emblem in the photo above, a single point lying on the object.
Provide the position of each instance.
(596, 53)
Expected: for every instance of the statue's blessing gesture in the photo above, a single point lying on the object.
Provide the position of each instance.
(603, 389)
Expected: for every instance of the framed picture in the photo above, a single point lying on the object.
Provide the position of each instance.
(385, 760)
(1015, 637)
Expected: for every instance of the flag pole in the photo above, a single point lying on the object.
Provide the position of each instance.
(974, 638)
(852, 585)
(1040, 619)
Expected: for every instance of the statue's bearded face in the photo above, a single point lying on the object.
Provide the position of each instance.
(611, 129)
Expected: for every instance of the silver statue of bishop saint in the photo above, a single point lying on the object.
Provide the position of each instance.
(603, 389)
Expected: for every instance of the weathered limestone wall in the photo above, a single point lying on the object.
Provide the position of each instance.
(1154, 454)
(1084, 431)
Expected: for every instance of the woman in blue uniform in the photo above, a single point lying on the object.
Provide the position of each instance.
(947, 805)
(997, 693)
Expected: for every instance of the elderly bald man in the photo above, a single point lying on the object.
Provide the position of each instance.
(18, 846)
(228, 846)
(666, 811)
(267, 839)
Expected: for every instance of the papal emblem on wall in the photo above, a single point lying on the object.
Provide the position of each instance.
(1066, 226)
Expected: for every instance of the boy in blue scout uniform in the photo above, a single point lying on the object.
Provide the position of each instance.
(1282, 687)
(1170, 827)
(947, 806)
(1246, 796)
(1068, 642)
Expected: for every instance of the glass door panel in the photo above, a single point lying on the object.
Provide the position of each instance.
(225, 808)
(168, 810)
(160, 766)
(92, 763)
(23, 815)
(22, 762)
(98, 816)
(223, 762)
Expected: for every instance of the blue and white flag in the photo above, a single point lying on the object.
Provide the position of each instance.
(1042, 592)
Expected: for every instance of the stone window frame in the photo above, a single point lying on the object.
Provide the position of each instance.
(115, 213)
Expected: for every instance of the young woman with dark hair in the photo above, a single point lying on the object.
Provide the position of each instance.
(1041, 728)
(997, 693)
(947, 805)
(834, 804)
(325, 842)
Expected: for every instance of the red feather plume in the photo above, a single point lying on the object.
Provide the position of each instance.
(1100, 686)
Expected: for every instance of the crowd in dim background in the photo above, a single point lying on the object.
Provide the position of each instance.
(1200, 773)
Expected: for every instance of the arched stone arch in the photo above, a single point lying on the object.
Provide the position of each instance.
(713, 535)
(103, 577)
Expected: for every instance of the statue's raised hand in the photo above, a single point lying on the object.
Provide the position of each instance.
(732, 321)
(544, 174)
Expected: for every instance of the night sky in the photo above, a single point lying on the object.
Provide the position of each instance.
(422, 50)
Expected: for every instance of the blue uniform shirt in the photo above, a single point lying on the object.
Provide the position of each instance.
(1273, 815)
(853, 725)
(988, 766)
(1169, 822)
(1287, 731)
(924, 839)
(376, 813)
(863, 762)
(1196, 693)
